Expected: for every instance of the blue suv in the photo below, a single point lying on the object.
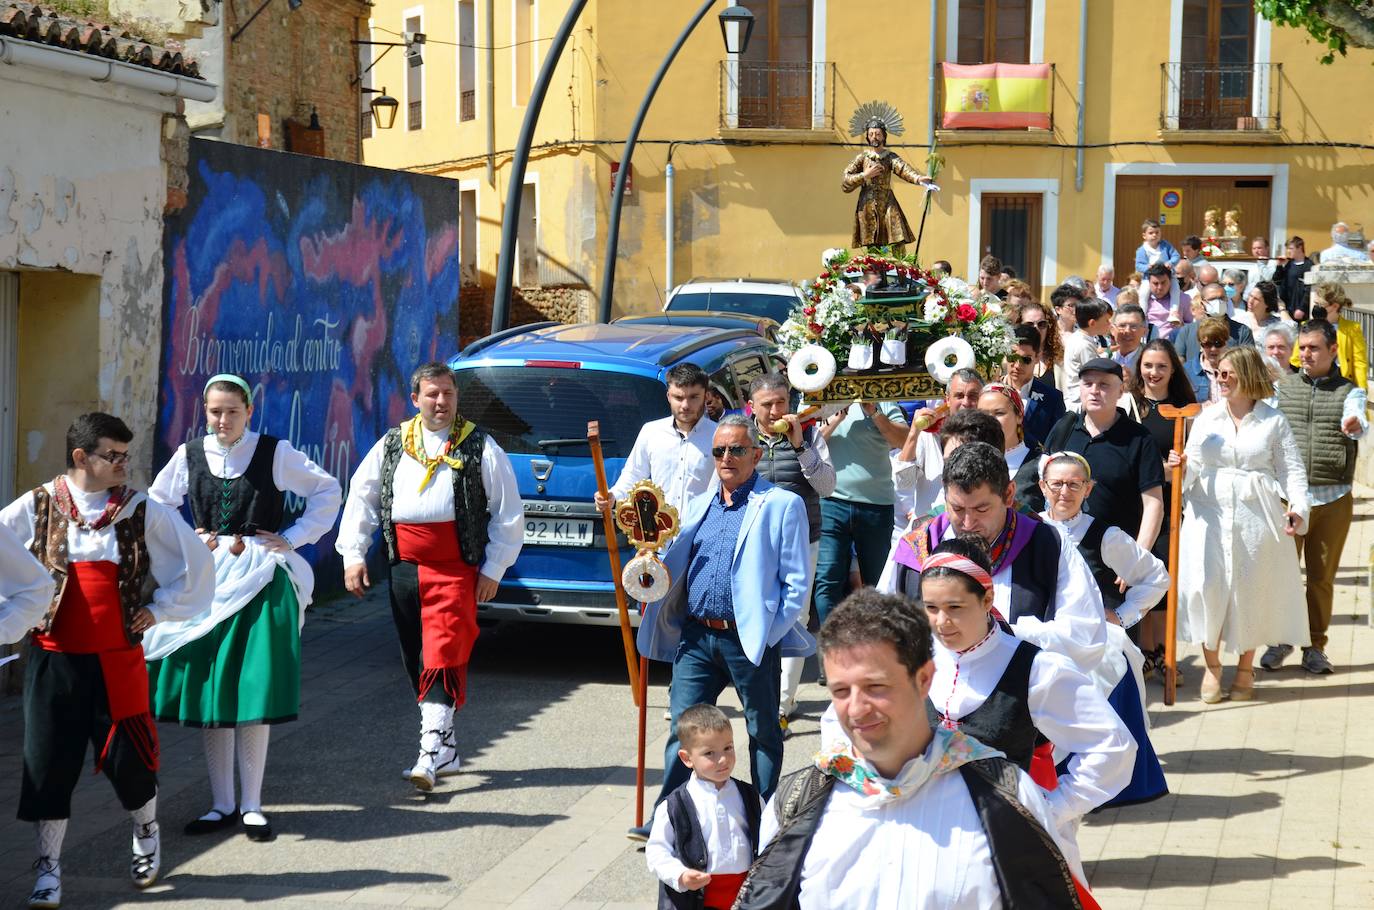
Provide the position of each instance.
(534, 388)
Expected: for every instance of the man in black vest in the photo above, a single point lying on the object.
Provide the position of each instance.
(1327, 414)
(797, 460)
(899, 813)
(1041, 587)
(445, 497)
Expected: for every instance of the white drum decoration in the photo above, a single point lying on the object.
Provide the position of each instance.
(940, 354)
(645, 578)
(810, 369)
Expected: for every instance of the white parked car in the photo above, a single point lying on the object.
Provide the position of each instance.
(752, 296)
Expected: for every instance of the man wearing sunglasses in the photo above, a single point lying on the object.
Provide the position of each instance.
(103, 544)
(1214, 298)
(1044, 403)
(740, 572)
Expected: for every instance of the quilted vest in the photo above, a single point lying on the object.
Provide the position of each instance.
(1314, 408)
(469, 496)
(50, 548)
(782, 466)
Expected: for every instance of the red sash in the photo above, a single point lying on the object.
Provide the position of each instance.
(448, 604)
(90, 620)
(723, 888)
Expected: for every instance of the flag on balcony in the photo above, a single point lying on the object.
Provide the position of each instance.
(997, 96)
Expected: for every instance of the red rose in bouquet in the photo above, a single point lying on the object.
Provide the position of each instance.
(966, 312)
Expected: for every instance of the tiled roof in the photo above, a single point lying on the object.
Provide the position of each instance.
(47, 26)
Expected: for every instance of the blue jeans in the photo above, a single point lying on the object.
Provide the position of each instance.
(706, 662)
(848, 528)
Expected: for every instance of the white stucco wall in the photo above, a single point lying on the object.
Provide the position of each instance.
(82, 189)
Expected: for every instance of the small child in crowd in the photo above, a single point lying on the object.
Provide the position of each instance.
(1154, 248)
(705, 834)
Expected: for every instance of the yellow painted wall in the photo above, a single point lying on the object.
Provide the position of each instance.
(769, 209)
(59, 331)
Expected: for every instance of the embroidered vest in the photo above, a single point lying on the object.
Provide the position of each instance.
(1034, 576)
(469, 496)
(1003, 720)
(246, 504)
(782, 466)
(1090, 547)
(1030, 869)
(1314, 409)
(690, 843)
(50, 548)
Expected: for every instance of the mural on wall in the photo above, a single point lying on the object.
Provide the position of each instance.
(322, 283)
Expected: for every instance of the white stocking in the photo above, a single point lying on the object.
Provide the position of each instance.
(145, 827)
(219, 760)
(252, 749)
(51, 833)
(436, 720)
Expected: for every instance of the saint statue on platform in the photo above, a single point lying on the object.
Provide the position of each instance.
(878, 218)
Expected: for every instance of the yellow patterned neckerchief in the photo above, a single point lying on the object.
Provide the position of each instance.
(413, 444)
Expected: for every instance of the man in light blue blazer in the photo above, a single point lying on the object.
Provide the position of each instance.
(741, 570)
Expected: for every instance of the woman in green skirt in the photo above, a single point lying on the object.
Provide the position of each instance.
(235, 669)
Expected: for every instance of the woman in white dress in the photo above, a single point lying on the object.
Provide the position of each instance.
(1238, 579)
(234, 670)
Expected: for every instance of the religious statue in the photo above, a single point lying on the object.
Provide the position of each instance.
(1209, 224)
(1232, 223)
(878, 219)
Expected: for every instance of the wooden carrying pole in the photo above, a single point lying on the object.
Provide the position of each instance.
(1180, 418)
(642, 696)
(621, 602)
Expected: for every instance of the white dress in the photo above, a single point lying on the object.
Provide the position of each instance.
(1238, 573)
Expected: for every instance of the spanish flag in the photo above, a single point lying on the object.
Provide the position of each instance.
(997, 96)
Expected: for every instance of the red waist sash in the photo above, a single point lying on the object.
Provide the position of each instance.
(90, 620)
(722, 889)
(448, 604)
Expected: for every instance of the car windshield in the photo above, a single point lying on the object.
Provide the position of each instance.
(774, 306)
(544, 410)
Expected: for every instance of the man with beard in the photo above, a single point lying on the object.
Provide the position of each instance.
(878, 219)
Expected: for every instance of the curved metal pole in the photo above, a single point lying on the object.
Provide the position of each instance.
(603, 311)
(505, 265)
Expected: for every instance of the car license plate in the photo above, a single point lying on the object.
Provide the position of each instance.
(561, 532)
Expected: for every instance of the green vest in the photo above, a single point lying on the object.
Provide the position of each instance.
(1314, 409)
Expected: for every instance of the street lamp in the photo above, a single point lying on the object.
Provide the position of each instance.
(736, 25)
(383, 107)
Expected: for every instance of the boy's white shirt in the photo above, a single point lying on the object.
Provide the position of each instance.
(724, 826)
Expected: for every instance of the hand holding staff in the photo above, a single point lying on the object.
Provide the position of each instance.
(1180, 417)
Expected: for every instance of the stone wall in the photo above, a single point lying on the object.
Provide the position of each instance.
(543, 304)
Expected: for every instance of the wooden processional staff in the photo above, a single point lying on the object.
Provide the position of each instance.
(1180, 418)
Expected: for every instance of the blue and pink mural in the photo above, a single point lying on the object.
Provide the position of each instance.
(320, 282)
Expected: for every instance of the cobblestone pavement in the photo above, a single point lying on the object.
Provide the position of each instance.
(1272, 802)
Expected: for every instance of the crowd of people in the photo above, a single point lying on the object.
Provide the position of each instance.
(985, 572)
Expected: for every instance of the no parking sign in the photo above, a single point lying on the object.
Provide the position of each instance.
(1171, 205)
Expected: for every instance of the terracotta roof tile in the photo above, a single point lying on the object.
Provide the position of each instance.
(31, 22)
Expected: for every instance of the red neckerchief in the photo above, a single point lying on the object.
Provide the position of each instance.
(119, 498)
(1001, 547)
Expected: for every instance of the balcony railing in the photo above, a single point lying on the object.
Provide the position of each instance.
(467, 106)
(1220, 96)
(415, 115)
(777, 96)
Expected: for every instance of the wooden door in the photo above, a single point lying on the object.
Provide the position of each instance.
(1137, 198)
(775, 70)
(1215, 74)
(1011, 231)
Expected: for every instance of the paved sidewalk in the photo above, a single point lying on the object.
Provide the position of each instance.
(1272, 802)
